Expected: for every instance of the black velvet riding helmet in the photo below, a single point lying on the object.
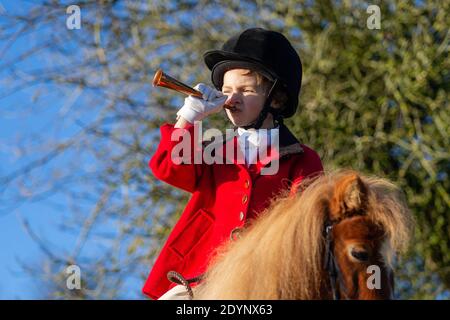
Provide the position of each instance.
(267, 52)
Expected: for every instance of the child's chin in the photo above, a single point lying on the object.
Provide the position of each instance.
(236, 122)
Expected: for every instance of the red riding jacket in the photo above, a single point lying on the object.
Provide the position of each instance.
(224, 197)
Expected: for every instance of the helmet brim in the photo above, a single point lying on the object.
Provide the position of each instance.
(220, 62)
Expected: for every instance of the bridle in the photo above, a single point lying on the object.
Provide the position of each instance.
(177, 278)
(330, 263)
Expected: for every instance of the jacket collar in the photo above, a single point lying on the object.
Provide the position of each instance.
(288, 144)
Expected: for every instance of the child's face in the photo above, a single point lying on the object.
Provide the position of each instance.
(244, 94)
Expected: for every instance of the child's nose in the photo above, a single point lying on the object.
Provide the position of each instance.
(233, 99)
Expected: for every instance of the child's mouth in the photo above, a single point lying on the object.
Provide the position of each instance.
(232, 109)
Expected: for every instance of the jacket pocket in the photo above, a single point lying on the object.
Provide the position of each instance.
(196, 228)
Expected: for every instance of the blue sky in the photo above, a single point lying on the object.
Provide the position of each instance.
(45, 217)
(16, 243)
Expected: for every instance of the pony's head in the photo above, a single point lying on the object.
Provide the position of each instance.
(358, 239)
(335, 238)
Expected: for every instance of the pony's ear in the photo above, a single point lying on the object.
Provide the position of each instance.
(350, 196)
(355, 194)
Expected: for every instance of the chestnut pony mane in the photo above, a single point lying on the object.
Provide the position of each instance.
(280, 256)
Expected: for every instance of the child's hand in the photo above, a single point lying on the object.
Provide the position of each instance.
(195, 109)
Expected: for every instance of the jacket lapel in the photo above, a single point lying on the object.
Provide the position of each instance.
(288, 144)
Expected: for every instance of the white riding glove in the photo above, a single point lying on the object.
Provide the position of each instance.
(196, 109)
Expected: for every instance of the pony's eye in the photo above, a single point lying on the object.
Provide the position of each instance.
(360, 254)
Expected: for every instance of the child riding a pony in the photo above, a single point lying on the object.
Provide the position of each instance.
(257, 76)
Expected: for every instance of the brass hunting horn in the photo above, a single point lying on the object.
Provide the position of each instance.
(161, 79)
